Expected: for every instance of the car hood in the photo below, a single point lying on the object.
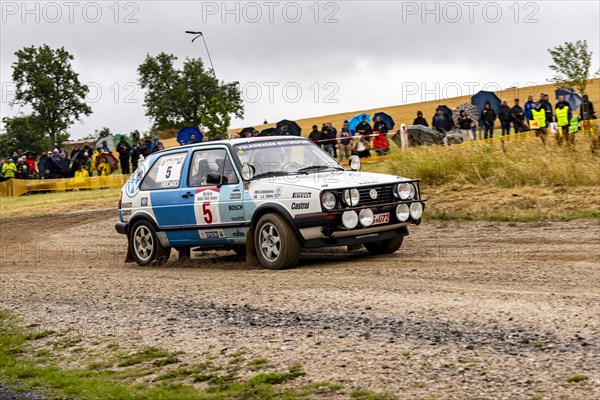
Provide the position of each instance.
(333, 180)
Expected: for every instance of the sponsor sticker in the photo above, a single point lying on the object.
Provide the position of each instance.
(236, 207)
(300, 206)
(126, 205)
(301, 195)
(144, 202)
(216, 234)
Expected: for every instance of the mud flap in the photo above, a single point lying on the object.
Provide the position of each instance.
(129, 255)
(251, 257)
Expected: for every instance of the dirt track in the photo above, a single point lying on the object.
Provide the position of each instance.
(463, 310)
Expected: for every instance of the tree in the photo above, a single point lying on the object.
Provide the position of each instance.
(24, 132)
(572, 62)
(190, 96)
(46, 82)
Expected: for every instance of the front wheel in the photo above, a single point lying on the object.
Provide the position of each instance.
(277, 247)
(388, 246)
(145, 246)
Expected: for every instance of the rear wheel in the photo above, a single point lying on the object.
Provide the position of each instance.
(276, 244)
(145, 246)
(388, 246)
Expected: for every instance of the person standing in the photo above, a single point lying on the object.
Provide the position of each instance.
(539, 122)
(465, 124)
(420, 120)
(331, 136)
(316, 136)
(42, 163)
(488, 116)
(380, 126)
(439, 121)
(344, 142)
(124, 150)
(563, 120)
(364, 129)
(517, 115)
(9, 169)
(505, 118)
(545, 103)
(65, 165)
(586, 111)
(529, 105)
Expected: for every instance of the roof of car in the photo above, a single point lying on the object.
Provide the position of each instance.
(241, 141)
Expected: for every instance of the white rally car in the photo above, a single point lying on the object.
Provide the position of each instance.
(281, 194)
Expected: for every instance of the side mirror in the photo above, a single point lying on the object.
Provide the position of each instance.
(248, 172)
(213, 179)
(354, 163)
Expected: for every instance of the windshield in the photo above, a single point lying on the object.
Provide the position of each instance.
(284, 157)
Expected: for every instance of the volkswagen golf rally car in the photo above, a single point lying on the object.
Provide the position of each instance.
(279, 194)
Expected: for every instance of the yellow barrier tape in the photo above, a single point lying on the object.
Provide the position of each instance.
(18, 187)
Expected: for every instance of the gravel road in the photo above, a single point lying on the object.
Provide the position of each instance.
(463, 310)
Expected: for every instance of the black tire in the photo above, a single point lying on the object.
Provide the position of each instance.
(388, 246)
(145, 246)
(277, 247)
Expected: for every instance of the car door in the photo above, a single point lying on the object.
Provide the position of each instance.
(212, 205)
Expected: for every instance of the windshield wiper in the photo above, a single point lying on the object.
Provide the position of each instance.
(320, 167)
(270, 174)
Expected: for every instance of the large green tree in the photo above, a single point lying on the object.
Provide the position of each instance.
(46, 82)
(190, 96)
(24, 132)
(572, 62)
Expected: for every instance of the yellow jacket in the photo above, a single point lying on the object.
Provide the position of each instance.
(104, 169)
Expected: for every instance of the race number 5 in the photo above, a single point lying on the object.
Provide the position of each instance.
(208, 217)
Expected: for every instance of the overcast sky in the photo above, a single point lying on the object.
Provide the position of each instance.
(303, 58)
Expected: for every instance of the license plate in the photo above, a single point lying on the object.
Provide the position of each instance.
(381, 218)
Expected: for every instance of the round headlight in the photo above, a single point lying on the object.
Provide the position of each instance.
(404, 190)
(328, 200)
(416, 210)
(413, 192)
(351, 197)
(366, 217)
(350, 219)
(402, 212)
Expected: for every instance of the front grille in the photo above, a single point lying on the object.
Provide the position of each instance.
(385, 195)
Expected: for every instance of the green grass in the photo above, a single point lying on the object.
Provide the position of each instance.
(576, 378)
(132, 378)
(366, 394)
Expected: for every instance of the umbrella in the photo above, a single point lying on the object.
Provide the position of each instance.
(269, 132)
(573, 98)
(27, 153)
(357, 119)
(469, 108)
(419, 135)
(114, 163)
(387, 120)
(482, 97)
(184, 134)
(293, 128)
(245, 131)
(127, 139)
(110, 142)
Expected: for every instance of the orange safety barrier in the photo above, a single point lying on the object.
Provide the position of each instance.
(18, 187)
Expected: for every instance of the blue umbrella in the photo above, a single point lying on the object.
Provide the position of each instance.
(357, 119)
(185, 133)
(387, 120)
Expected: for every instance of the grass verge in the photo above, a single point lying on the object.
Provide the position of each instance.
(27, 362)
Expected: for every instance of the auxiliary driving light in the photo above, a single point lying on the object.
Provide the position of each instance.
(402, 212)
(349, 219)
(406, 190)
(366, 217)
(351, 197)
(416, 210)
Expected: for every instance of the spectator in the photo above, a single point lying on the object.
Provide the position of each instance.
(124, 150)
(547, 107)
(364, 129)
(362, 147)
(586, 111)
(255, 133)
(380, 126)
(75, 152)
(9, 168)
(539, 116)
(517, 115)
(561, 99)
(420, 120)
(41, 166)
(104, 168)
(380, 143)
(344, 142)
(284, 131)
(15, 157)
(488, 116)
(505, 118)
(192, 139)
(22, 169)
(529, 104)
(328, 138)
(438, 121)
(65, 165)
(332, 136)
(154, 146)
(465, 124)
(30, 160)
(81, 174)
(563, 120)
(105, 147)
(316, 136)
(53, 166)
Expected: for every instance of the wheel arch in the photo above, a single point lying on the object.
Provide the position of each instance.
(144, 216)
(275, 209)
